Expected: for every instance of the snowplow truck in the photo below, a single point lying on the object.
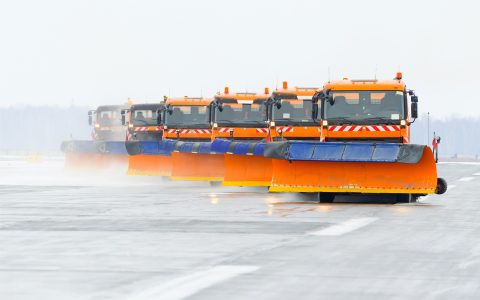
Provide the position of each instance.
(242, 119)
(293, 114)
(364, 145)
(188, 121)
(106, 149)
(144, 130)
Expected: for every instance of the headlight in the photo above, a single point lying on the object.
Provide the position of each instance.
(324, 123)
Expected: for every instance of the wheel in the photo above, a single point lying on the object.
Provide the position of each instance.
(215, 183)
(326, 197)
(441, 186)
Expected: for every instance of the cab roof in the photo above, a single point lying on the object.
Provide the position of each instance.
(189, 101)
(228, 97)
(146, 106)
(111, 107)
(373, 84)
(296, 91)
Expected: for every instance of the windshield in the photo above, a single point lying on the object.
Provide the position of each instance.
(366, 105)
(241, 113)
(109, 118)
(293, 110)
(187, 115)
(145, 117)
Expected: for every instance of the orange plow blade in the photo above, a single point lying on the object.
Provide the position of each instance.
(247, 170)
(154, 165)
(197, 166)
(355, 168)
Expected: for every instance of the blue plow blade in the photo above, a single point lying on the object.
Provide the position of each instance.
(238, 147)
(347, 152)
(111, 147)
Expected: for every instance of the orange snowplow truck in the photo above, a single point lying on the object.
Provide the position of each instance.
(144, 122)
(188, 120)
(293, 114)
(240, 116)
(367, 110)
(364, 147)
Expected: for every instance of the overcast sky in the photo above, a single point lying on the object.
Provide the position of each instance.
(102, 52)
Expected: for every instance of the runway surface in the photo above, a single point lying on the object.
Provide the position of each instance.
(111, 236)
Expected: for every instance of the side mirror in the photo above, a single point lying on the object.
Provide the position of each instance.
(124, 121)
(414, 110)
(315, 111)
(278, 104)
(159, 116)
(414, 99)
(330, 99)
(90, 118)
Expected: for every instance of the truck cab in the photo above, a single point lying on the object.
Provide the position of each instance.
(144, 122)
(240, 116)
(106, 123)
(188, 119)
(367, 110)
(293, 114)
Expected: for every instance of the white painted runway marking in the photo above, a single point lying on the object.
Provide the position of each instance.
(344, 227)
(466, 179)
(186, 286)
(476, 174)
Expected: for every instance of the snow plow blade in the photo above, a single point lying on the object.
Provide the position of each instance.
(196, 161)
(352, 168)
(150, 157)
(245, 164)
(87, 155)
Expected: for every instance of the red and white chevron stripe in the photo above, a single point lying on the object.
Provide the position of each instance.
(285, 129)
(190, 131)
(223, 129)
(262, 130)
(147, 128)
(354, 128)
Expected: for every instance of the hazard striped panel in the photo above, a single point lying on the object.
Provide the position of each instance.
(262, 130)
(147, 128)
(224, 129)
(353, 128)
(190, 131)
(285, 129)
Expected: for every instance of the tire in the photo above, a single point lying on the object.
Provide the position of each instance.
(215, 183)
(326, 197)
(441, 186)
